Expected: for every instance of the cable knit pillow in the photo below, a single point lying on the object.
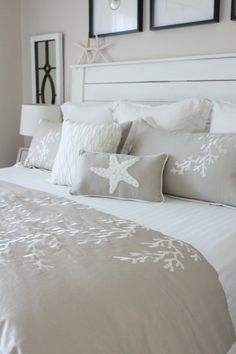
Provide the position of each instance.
(120, 176)
(189, 115)
(44, 146)
(81, 136)
(200, 166)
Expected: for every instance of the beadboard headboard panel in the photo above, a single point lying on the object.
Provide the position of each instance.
(162, 80)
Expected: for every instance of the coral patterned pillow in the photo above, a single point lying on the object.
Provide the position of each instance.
(44, 146)
(200, 166)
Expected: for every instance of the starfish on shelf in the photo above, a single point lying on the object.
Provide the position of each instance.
(90, 54)
(86, 53)
(98, 51)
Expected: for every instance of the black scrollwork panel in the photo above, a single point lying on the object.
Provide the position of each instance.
(45, 72)
(233, 10)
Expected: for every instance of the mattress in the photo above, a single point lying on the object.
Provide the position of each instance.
(209, 228)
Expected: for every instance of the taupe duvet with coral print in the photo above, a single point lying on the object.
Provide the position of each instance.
(77, 281)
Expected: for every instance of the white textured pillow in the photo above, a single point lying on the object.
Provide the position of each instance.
(80, 136)
(223, 118)
(189, 115)
(88, 113)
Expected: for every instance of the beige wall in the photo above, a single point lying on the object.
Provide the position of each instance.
(19, 19)
(71, 17)
(10, 80)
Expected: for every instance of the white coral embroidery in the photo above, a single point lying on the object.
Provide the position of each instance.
(212, 148)
(117, 172)
(167, 250)
(36, 227)
(35, 236)
(39, 154)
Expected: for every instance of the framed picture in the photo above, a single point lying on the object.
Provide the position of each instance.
(113, 17)
(22, 154)
(177, 13)
(233, 10)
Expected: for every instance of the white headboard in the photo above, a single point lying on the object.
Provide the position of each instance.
(163, 80)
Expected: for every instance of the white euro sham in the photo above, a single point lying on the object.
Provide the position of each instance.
(223, 117)
(99, 113)
(189, 115)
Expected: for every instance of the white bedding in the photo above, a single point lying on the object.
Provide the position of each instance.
(211, 229)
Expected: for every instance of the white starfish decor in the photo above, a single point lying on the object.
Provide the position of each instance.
(117, 172)
(91, 54)
(86, 53)
(98, 51)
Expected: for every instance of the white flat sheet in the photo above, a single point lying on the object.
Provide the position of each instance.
(211, 229)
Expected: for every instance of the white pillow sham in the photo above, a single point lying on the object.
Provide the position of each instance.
(223, 118)
(189, 115)
(80, 136)
(88, 113)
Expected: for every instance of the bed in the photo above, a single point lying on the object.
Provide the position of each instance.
(210, 229)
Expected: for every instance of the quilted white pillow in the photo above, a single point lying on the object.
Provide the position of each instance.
(80, 136)
(189, 115)
(223, 118)
(88, 113)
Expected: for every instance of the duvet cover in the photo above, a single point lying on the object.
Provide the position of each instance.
(74, 280)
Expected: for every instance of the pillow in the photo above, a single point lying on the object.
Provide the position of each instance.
(200, 166)
(44, 146)
(120, 176)
(223, 118)
(81, 136)
(125, 129)
(190, 115)
(88, 113)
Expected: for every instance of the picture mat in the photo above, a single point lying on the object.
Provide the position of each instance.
(172, 12)
(107, 20)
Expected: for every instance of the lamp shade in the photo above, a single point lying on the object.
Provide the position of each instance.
(32, 114)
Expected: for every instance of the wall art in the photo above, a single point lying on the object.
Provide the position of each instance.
(177, 13)
(113, 17)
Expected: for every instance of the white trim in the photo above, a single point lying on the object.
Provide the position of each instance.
(160, 60)
(58, 37)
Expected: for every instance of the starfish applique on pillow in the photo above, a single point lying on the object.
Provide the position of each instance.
(117, 172)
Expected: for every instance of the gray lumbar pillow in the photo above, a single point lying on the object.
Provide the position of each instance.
(120, 176)
(200, 166)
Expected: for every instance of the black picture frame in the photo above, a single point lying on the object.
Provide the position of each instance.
(138, 28)
(233, 10)
(214, 19)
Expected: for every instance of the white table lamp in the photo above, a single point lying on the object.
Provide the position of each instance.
(32, 114)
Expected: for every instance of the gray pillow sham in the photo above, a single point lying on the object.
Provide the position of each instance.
(200, 166)
(125, 129)
(120, 176)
